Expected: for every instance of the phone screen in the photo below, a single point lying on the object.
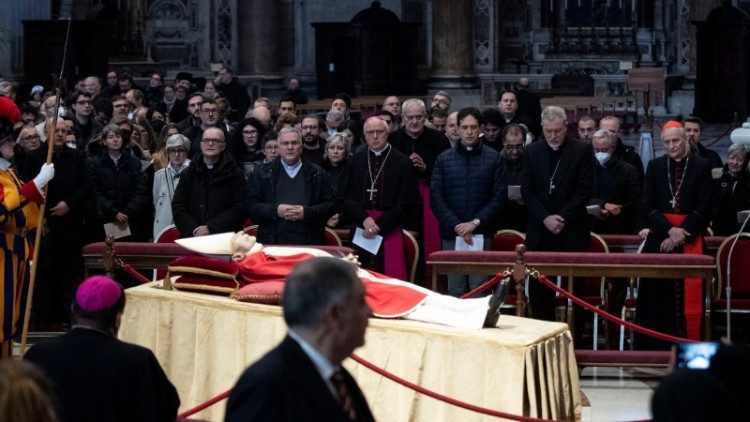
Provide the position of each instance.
(695, 355)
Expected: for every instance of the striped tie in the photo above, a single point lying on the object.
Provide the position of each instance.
(344, 394)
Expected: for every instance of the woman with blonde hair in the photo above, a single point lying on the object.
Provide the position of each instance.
(25, 393)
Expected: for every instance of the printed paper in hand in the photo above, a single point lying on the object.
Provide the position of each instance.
(117, 230)
(370, 245)
(477, 240)
(594, 210)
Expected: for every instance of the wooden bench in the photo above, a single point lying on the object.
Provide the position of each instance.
(109, 255)
(580, 264)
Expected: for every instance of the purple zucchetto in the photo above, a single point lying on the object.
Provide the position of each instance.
(98, 293)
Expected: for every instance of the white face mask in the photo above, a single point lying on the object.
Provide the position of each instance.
(603, 157)
(529, 138)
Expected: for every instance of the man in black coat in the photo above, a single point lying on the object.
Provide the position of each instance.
(290, 199)
(212, 194)
(679, 203)
(558, 176)
(302, 378)
(617, 190)
(624, 152)
(693, 129)
(529, 105)
(233, 90)
(60, 261)
(97, 377)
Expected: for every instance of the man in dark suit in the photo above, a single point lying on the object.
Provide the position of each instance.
(302, 378)
(529, 105)
(98, 377)
(557, 182)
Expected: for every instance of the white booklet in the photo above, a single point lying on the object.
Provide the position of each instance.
(742, 216)
(117, 230)
(594, 210)
(370, 245)
(477, 243)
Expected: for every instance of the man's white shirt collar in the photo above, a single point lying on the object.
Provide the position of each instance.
(322, 364)
(293, 169)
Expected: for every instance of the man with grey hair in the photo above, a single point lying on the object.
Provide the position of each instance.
(334, 119)
(441, 101)
(624, 152)
(557, 184)
(290, 198)
(422, 145)
(302, 378)
(617, 189)
(616, 197)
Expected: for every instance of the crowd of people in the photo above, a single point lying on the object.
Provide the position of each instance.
(207, 160)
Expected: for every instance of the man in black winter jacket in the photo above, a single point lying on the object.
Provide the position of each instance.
(212, 195)
(467, 193)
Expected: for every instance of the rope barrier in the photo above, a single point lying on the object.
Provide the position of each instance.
(484, 286)
(606, 315)
(132, 271)
(429, 393)
(204, 405)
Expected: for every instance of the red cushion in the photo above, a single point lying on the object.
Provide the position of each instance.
(204, 274)
(267, 292)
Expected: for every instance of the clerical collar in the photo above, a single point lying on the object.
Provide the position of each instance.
(293, 169)
(324, 367)
(379, 153)
(414, 136)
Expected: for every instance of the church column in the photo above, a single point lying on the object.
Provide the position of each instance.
(452, 45)
(258, 44)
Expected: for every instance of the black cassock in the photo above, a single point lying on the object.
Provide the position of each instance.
(395, 194)
(660, 302)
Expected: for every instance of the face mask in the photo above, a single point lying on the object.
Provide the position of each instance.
(602, 157)
(529, 138)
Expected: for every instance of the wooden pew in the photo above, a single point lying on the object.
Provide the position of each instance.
(581, 264)
(110, 255)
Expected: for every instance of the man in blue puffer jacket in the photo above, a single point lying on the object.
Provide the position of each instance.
(468, 193)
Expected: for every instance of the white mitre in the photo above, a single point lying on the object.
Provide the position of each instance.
(237, 245)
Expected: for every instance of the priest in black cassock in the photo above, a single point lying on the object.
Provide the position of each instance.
(678, 199)
(422, 145)
(380, 194)
(556, 186)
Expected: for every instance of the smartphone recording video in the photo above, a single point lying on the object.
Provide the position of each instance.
(695, 355)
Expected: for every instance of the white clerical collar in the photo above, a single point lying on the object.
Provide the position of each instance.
(379, 153)
(322, 364)
(293, 169)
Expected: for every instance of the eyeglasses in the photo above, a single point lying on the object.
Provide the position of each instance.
(375, 132)
(178, 151)
(211, 110)
(270, 147)
(249, 132)
(83, 102)
(514, 147)
(119, 105)
(31, 138)
(209, 141)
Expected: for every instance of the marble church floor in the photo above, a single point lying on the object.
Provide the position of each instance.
(618, 394)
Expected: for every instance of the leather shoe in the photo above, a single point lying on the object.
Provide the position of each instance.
(496, 301)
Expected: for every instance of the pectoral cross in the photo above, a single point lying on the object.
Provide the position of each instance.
(674, 202)
(371, 191)
(551, 187)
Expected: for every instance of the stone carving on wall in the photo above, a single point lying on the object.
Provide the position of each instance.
(483, 34)
(225, 25)
(174, 32)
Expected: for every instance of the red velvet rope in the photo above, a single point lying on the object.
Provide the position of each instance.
(484, 286)
(204, 405)
(606, 315)
(421, 390)
(130, 270)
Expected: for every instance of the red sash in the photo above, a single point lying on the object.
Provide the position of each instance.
(393, 250)
(693, 287)
(430, 226)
